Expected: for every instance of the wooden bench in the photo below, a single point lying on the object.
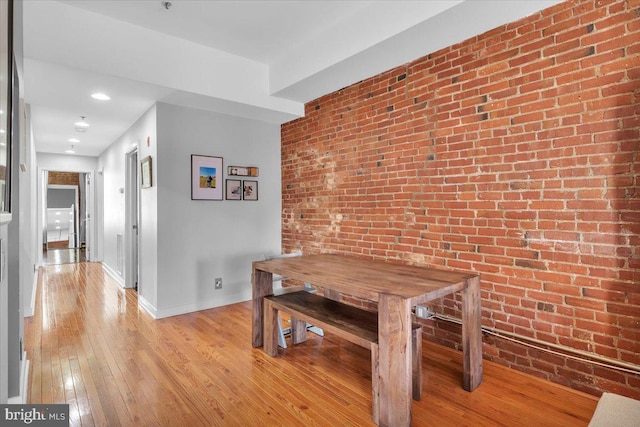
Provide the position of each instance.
(351, 323)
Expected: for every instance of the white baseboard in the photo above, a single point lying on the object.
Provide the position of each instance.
(114, 275)
(202, 305)
(188, 308)
(30, 310)
(147, 306)
(24, 383)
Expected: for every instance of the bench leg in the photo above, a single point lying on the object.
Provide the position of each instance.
(271, 328)
(298, 331)
(416, 363)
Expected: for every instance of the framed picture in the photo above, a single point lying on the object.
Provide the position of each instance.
(145, 172)
(206, 177)
(243, 171)
(234, 189)
(250, 190)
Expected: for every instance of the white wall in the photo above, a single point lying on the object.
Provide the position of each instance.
(112, 164)
(185, 244)
(200, 240)
(29, 260)
(66, 163)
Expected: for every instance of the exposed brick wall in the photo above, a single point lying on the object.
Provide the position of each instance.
(64, 178)
(514, 154)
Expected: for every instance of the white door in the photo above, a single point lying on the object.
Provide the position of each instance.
(131, 220)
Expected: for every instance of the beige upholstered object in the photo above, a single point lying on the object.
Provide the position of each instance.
(616, 411)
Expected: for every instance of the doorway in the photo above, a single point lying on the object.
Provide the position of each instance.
(66, 214)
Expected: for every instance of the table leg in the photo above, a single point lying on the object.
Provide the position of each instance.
(262, 285)
(416, 362)
(394, 361)
(471, 335)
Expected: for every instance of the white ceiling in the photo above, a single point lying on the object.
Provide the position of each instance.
(259, 30)
(256, 59)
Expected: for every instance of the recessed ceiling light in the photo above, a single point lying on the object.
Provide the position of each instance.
(100, 96)
(81, 126)
(73, 140)
(69, 151)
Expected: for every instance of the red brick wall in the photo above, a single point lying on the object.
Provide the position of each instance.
(514, 154)
(64, 178)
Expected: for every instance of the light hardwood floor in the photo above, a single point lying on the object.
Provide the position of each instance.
(92, 347)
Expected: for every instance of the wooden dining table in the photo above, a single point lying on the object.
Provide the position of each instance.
(396, 289)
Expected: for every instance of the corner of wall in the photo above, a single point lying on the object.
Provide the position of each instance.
(24, 383)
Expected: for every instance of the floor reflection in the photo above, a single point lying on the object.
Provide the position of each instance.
(63, 256)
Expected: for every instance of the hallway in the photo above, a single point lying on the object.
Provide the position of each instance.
(63, 256)
(93, 348)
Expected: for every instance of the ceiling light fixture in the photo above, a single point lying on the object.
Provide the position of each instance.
(73, 140)
(70, 151)
(100, 96)
(81, 126)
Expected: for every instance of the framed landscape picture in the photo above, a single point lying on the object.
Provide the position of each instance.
(250, 190)
(206, 177)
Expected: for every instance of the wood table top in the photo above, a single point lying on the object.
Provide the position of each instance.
(366, 278)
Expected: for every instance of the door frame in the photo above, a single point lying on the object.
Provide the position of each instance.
(92, 246)
(89, 220)
(132, 220)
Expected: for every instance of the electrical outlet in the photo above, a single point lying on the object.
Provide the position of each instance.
(218, 282)
(422, 312)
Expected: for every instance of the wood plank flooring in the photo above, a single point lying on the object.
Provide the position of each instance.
(63, 256)
(93, 348)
